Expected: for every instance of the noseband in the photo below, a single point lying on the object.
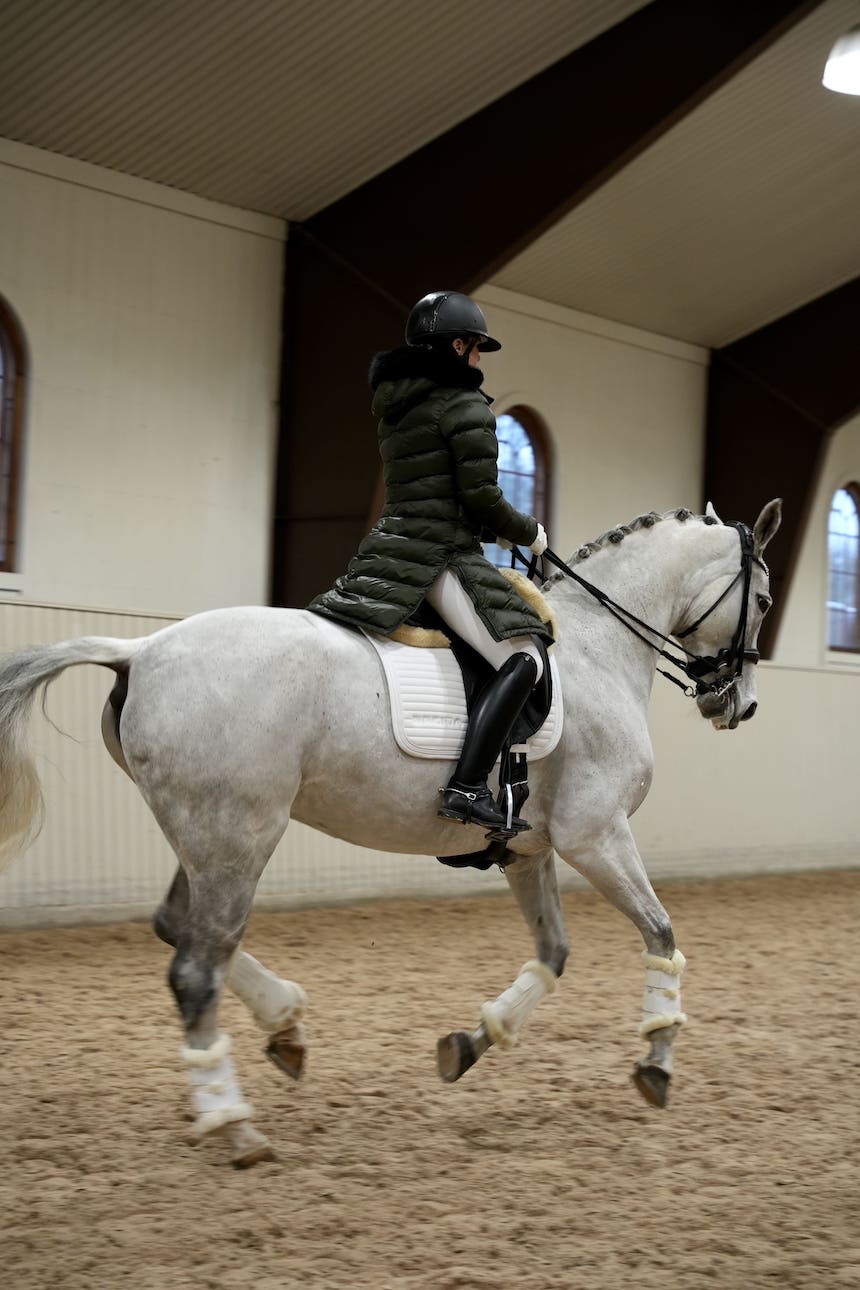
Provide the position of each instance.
(726, 666)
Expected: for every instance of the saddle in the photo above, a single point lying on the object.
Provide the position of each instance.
(434, 677)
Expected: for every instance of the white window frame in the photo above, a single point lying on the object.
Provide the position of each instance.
(846, 660)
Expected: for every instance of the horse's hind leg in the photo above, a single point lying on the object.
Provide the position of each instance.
(533, 882)
(613, 865)
(277, 1005)
(172, 913)
(219, 901)
(223, 842)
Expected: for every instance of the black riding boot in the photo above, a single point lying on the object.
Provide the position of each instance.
(467, 797)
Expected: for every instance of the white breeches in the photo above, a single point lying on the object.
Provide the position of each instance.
(454, 604)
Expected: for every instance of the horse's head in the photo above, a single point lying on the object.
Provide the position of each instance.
(725, 616)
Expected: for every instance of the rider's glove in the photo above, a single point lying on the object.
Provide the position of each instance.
(539, 545)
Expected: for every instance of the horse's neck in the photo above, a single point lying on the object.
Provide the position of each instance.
(649, 574)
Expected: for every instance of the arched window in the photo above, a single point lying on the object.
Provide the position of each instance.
(843, 569)
(523, 470)
(12, 375)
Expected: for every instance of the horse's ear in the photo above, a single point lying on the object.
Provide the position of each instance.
(767, 524)
(711, 513)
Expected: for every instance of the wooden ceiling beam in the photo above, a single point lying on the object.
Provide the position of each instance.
(775, 398)
(469, 201)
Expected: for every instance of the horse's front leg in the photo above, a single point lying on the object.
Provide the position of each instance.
(613, 865)
(277, 1006)
(533, 882)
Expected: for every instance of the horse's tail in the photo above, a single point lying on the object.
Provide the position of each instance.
(21, 675)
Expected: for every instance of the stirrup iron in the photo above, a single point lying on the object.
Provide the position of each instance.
(502, 825)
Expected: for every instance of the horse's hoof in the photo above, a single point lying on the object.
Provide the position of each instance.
(256, 1156)
(455, 1054)
(287, 1054)
(652, 1082)
(249, 1146)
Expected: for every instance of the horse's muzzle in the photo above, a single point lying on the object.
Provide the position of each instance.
(746, 715)
(717, 707)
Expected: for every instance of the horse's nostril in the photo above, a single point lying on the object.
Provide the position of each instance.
(750, 712)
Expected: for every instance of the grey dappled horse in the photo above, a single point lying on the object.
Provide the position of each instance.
(235, 720)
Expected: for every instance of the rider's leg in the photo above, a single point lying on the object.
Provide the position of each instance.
(467, 797)
(454, 604)
(519, 666)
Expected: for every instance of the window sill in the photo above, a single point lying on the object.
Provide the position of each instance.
(11, 584)
(844, 658)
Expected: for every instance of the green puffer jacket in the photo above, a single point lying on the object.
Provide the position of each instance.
(438, 445)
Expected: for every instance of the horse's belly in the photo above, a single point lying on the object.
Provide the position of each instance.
(387, 804)
(379, 797)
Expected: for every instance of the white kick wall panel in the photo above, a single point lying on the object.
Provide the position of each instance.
(154, 338)
(766, 797)
(779, 793)
(99, 846)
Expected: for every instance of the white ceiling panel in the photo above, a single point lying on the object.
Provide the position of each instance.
(279, 106)
(747, 209)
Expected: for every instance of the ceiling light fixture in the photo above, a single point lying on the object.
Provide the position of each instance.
(842, 71)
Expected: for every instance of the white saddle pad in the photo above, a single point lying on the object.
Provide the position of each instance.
(428, 702)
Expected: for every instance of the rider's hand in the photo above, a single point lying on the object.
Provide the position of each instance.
(540, 543)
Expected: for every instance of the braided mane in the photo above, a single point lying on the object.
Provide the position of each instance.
(612, 537)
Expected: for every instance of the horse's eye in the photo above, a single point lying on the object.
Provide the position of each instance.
(764, 603)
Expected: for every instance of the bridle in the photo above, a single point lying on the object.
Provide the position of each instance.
(726, 666)
(729, 661)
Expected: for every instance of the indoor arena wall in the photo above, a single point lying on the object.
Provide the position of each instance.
(152, 327)
(152, 324)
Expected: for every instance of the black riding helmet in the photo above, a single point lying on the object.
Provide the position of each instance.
(445, 315)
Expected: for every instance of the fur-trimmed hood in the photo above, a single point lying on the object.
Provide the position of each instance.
(419, 362)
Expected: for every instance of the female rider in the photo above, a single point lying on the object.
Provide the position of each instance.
(439, 451)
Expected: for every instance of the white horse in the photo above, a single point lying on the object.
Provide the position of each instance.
(235, 720)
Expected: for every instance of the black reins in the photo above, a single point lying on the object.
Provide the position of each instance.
(725, 666)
